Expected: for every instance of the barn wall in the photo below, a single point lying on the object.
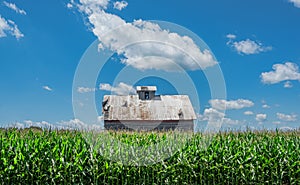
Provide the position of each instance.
(184, 125)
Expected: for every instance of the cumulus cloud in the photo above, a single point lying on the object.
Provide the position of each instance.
(287, 128)
(78, 124)
(249, 47)
(85, 89)
(281, 72)
(29, 123)
(120, 89)
(261, 117)
(296, 3)
(276, 122)
(246, 46)
(14, 7)
(212, 115)
(72, 124)
(69, 5)
(100, 118)
(47, 88)
(286, 117)
(231, 36)
(160, 49)
(229, 121)
(248, 113)
(9, 27)
(265, 106)
(232, 104)
(119, 5)
(288, 84)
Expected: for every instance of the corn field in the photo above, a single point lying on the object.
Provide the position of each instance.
(34, 156)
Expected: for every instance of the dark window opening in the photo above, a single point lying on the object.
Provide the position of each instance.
(146, 95)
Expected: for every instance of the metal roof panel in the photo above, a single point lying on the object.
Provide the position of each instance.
(167, 107)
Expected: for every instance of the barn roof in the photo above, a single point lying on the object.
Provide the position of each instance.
(163, 107)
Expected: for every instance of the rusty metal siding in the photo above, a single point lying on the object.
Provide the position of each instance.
(167, 107)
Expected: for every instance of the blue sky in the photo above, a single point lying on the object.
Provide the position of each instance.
(256, 44)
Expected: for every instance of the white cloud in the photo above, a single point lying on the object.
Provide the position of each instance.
(287, 128)
(47, 88)
(160, 49)
(286, 117)
(261, 117)
(265, 106)
(78, 124)
(88, 6)
(249, 47)
(9, 27)
(41, 124)
(85, 89)
(69, 5)
(70, 124)
(211, 114)
(288, 84)
(296, 3)
(248, 113)
(120, 89)
(232, 104)
(120, 5)
(3, 27)
(14, 7)
(229, 121)
(100, 118)
(231, 36)
(73, 123)
(276, 122)
(281, 72)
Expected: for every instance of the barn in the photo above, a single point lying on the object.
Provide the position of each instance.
(148, 111)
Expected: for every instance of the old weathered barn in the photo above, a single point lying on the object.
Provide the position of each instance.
(147, 111)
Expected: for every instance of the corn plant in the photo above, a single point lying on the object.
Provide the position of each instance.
(35, 156)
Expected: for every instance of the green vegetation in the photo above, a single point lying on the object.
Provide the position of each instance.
(33, 156)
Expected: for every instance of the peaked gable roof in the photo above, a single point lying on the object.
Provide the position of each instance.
(163, 107)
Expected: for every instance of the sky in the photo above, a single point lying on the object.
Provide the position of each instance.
(253, 46)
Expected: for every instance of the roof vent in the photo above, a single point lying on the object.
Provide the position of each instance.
(146, 92)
